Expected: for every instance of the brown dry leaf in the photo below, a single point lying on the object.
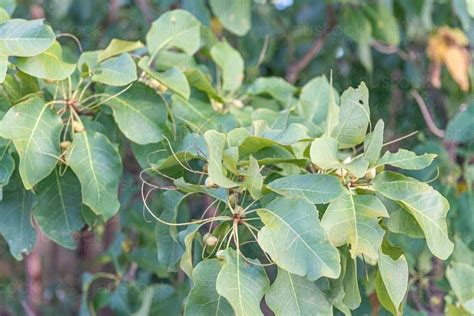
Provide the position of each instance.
(448, 46)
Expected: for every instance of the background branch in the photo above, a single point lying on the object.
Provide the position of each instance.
(426, 115)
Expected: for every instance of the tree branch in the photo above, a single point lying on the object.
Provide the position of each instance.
(426, 115)
(296, 67)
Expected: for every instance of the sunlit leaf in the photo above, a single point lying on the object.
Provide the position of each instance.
(406, 159)
(116, 71)
(231, 65)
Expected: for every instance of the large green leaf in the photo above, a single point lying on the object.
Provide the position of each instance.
(174, 29)
(173, 78)
(15, 219)
(460, 128)
(394, 274)
(354, 117)
(116, 71)
(295, 295)
(317, 188)
(34, 129)
(25, 38)
(295, 240)
(384, 24)
(215, 143)
(314, 100)
(231, 65)
(254, 179)
(7, 165)
(354, 219)
(461, 279)
(427, 206)
(235, 16)
(406, 159)
(47, 65)
(58, 207)
(97, 164)
(203, 300)
(139, 112)
(243, 284)
(276, 87)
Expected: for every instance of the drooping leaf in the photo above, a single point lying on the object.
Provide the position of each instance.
(117, 47)
(243, 284)
(168, 248)
(174, 29)
(354, 219)
(254, 179)
(373, 144)
(394, 274)
(47, 65)
(187, 237)
(58, 207)
(34, 129)
(173, 78)
(139, 112)
(314, 100)
(354, 117)
(116, 71)
(97, 164)
(235, 16)
(295, 295)
(203, 299)
(295, 240)
(427, 206)
(461, 279)
(406, 159)
(317, 188)
(25, 38)
(15, 219)
(215, 143)
(231, 65)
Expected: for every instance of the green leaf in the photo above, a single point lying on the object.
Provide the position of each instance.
(406, 159)
(168, 248)
(373, 144)
(295, 240)
(58, 208)
(215, 143)
(139, 112)
(243, 284)
(15, 219)
(174, 29)
(295, 295)
(25, 38)
(7, 165)
(276, 87)
(460, 128)
(8, 5)
(383, 296)
(186, 262)
(235, 16)
(354, 117)
(394, 274)
(254, 179)
(47, 65)
(461, 279)
(384, 24)
(203, 299)
(427, 206)
(314, 100)
(200, 81)
(354, 219)
(116, 71)
(3, 67)
(324, 154)
(231, 65)
(97, 164)
(172, 78)
(117, 47)
(317, 188)
(34, 129)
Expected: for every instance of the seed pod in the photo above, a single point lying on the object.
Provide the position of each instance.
(65, 144)
(78, 127)
(210, 239)
(371, 173)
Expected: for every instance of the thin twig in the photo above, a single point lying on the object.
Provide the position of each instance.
(426, 115)
(295, 68)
